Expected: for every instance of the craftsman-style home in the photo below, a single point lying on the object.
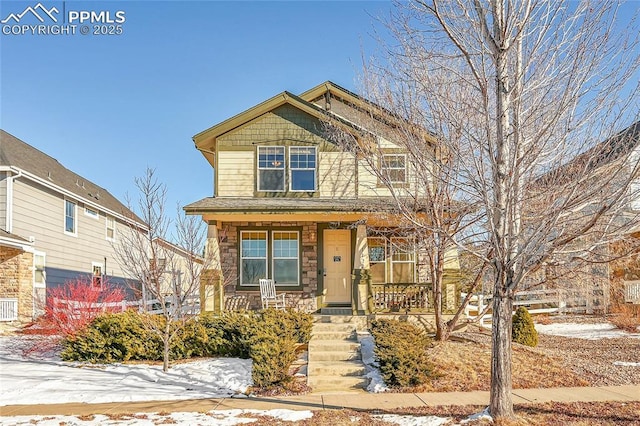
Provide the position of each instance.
(292, 205)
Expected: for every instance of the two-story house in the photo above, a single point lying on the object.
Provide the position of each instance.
(55, 226)
(293, 205)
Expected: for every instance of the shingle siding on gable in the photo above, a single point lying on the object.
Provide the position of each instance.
(283, 123)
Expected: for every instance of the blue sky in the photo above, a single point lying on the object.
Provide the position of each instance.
(108, 106)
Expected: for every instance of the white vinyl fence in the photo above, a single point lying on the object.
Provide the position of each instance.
(191, 306)
(536, 302)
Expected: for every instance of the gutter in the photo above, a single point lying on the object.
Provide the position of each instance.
(69, 194)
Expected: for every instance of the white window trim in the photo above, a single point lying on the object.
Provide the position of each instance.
(241, 257)
(75, 218)
(273, 255)
(382, 168)
(106, 228)
(284, 168)
(88, 211)
(44, 269)
(315, 171)
(102, 273)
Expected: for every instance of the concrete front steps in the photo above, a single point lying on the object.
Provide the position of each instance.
(335, 363)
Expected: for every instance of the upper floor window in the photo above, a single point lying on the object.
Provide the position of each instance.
(302, 163)
(90, 212)
(70, 215)
(394, 168)
(271, 168)
(111, 228)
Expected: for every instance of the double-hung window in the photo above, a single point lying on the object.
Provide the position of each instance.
(403, 261)
(285, 257)
(270, 254)
(271, 168)
(276, 175)
(302, 165)
(70, 215)
(394, 168)
(111, 228)
(39, 274)
(392, 260)
(253, 252)
(378, 260)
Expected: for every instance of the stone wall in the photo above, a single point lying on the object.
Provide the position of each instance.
(16, 279)
(237, 298)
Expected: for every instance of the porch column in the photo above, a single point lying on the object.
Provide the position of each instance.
(361, 274)
(211, 282)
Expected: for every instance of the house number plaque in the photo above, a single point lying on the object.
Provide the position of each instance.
(337, 258)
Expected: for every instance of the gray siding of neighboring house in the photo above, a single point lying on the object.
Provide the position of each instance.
(39, 212)
(57, 277)
(3, 200)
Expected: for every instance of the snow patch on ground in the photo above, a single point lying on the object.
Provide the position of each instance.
(219, 418)
(47, 380)
(627, 364)
(413, 420)
(483, 415)
(376, 382)
(584, 331)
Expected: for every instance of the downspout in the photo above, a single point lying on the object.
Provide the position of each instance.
(9, 211)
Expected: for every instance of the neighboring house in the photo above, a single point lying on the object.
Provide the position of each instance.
(17, 278)
(601, 285)
(64, 222)
(180, 270)
(293, 206)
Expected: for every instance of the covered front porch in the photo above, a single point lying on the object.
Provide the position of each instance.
(331, 261)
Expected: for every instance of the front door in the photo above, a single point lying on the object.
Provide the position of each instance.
(337, 266)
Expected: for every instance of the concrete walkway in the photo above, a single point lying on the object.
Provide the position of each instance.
(356, 401)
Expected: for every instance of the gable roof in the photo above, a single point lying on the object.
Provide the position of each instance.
(354, 120)
(205, 140)
(39, 167)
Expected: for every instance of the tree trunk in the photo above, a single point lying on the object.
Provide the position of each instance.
(166, 339)
(441, 329)
(501, 404)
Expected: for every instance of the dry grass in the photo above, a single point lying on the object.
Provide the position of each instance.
(327, 417)
(626, 317)
(547, 414)
(465, 366)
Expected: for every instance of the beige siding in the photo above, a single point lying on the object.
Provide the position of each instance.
(39, 212)
(236, 174)
(3, 199)
(336, 175)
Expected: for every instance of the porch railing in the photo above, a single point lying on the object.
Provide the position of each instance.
(402, 297)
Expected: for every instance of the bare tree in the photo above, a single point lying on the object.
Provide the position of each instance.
(522, 94)
(166, 272)
(423, 186)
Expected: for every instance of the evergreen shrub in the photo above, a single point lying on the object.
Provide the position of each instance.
(401, 351)
(523, 330)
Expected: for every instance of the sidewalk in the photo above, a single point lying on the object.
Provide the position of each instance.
(355, 401)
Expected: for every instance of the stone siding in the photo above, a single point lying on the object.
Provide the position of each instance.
(237, 298)
(16, 279)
